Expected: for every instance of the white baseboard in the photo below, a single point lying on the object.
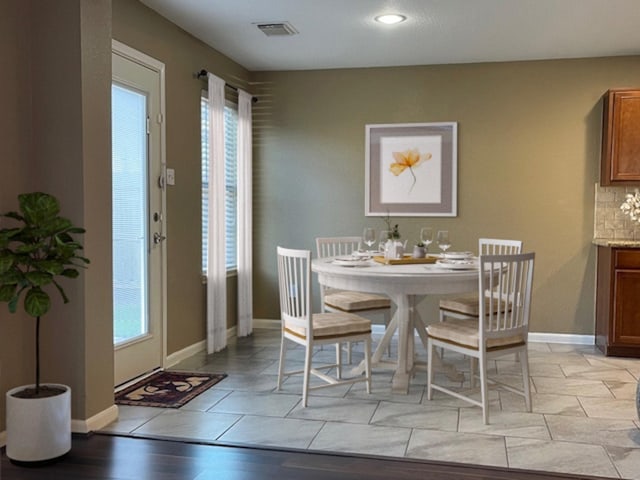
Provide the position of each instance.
(378, 329)
(201, 346)
(97, 422)
(268, 323)
(570, 338)
(232, 332)
(180, 355)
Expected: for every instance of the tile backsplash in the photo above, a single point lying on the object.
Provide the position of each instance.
(609, 221)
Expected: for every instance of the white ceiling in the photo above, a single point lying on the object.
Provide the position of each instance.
(343, 34)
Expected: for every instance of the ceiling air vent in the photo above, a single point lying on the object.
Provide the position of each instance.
(277, 29)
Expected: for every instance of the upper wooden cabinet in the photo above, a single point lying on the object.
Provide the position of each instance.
(620, 163)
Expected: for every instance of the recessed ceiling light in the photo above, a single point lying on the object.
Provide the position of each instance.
(390, 19)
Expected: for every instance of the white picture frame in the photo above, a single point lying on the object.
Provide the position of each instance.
(411, 169)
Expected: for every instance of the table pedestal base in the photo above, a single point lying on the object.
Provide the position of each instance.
(406, 320)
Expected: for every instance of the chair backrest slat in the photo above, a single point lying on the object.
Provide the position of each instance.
(334, 246)
(294, 281)
(505, 285)
(497, 246)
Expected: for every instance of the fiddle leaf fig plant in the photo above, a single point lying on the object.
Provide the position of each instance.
(35, 253)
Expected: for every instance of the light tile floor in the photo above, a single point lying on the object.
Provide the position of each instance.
(584, 419)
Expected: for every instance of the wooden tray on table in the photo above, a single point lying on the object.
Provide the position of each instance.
(406, 260)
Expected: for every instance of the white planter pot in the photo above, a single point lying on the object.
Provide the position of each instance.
(38, 429)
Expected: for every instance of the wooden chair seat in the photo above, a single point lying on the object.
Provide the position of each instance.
(331, 325)
(464, 332)
(466, 305)
(350, 301)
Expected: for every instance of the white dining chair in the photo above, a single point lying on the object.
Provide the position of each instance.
(362, 303)
(466, 305)
(505, 282)
(301, 326)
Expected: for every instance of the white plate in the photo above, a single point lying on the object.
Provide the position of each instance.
(367, 254)
(350, 261)
(458, 255)
(458, 264)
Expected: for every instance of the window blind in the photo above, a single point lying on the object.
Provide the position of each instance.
(231, 182)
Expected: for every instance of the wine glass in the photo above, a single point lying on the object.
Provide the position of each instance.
(442, 238)
(382, 241)
(369, 237)
(426, 236)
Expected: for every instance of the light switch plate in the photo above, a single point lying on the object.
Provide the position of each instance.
(171, 176)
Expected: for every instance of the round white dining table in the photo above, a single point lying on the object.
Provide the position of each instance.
(405, 284)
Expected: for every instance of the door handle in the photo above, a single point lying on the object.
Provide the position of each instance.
(157, 238)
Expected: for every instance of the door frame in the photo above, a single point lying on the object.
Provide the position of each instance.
(159, 67)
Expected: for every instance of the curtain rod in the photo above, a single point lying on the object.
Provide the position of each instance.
(203, 73)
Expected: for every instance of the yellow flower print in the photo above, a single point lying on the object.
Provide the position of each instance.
(408, 159)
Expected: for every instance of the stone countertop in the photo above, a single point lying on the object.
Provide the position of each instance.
(621, 243)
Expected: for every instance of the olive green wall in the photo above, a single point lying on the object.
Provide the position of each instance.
(141, 28)
(55, 136)
(528, 153)
(16, 359)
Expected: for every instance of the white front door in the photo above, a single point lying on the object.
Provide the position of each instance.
(138, 199)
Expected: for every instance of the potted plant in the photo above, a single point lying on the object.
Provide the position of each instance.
(419, 250)
(35, 254)
(395, 247)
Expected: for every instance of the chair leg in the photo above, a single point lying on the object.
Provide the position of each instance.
(429, 368)
(473, 362)
(367, 363)
(483, 389)
(338, 360)
(283, 353)
(349, 353)
(307, 374)
(524, 363)
(442, 319)
(387, 321)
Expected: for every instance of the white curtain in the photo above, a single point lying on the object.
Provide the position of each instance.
(245, 259)
(216, 266)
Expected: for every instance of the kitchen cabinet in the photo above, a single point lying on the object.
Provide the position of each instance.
(618, 301)
(620, 160)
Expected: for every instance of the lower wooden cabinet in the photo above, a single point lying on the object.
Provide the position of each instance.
(618, 301)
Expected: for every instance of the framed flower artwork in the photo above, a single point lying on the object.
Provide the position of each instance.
(411, 169)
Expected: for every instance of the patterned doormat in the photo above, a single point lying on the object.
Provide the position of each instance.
(167, 389)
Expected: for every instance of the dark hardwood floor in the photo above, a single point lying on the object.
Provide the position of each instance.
(124, 458)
